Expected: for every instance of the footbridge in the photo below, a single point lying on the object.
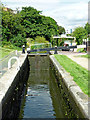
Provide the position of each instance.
(67, 48)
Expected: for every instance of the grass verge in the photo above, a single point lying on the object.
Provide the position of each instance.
(81, 50)
(79, 74)
(85, 56)
(4, 51)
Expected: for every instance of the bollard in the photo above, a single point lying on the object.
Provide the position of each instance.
(55, 50)
(28, 50)
(16, 52)
(23, 49)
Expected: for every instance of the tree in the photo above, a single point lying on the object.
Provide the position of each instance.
(28, 23)
(61, 30)
(39, 39)
(80, 33)
(87, 27)
(38, 25)
(11, 27)
(18, 40)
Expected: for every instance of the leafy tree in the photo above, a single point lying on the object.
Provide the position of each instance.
(87, 27)
(61, 30)
(11, 26)
(36, 24)
(30, 18)
(40, 39)
(80, 33)
(1, 21)
(18, 40)
(28, 23)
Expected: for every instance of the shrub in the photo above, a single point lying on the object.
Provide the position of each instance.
(80, 50)
(18, 40)
(40, 39)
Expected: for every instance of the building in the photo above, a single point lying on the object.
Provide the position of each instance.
(8, 9)
(69, 40)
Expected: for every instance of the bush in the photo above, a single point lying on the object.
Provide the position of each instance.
(18, 40)
(5, 43)
(29, 41)
(40, 39)
(80, 50)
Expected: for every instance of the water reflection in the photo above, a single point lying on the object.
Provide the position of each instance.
(42, 98)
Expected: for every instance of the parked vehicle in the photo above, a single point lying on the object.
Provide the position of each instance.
(66, 47)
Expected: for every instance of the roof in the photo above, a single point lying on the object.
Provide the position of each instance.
(63, 36)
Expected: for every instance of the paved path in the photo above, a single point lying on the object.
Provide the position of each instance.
(84, 62)
(80, 60)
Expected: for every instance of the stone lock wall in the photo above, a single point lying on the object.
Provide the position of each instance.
(70, 91)
(14, 82)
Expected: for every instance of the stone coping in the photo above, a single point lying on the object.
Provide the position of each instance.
(79, 97)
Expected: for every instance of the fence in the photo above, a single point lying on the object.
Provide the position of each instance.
(40, 46)
(4, 62)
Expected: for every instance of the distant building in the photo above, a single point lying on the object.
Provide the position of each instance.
(5, 9)
(8, 9)
(66, 31)
(15, 11)
(67, 39)
(70, 31)
(89, 12)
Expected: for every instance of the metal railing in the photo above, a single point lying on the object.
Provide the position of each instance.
(4, 62)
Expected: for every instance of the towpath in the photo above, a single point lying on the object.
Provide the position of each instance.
(84, 62)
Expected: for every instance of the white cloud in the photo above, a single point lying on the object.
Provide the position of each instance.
(44, 1)
(70, 15)
(31, 1)
(67, 13)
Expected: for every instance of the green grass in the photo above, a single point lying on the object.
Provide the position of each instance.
(80, 74)
(40, 52)
(6, 50)
(81, 50)
(85, 56)
(12, 47)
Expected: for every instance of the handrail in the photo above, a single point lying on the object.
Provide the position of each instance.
(9, 62)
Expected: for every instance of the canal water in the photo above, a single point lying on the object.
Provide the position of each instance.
(42, 97)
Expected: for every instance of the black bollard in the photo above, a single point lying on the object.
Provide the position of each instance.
(23, 49)
(55, 50)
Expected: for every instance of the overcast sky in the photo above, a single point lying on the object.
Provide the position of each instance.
(67, 13)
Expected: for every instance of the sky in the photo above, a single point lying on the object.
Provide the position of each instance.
(67, 13)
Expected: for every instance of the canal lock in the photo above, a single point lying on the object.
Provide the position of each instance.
(39, 71)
